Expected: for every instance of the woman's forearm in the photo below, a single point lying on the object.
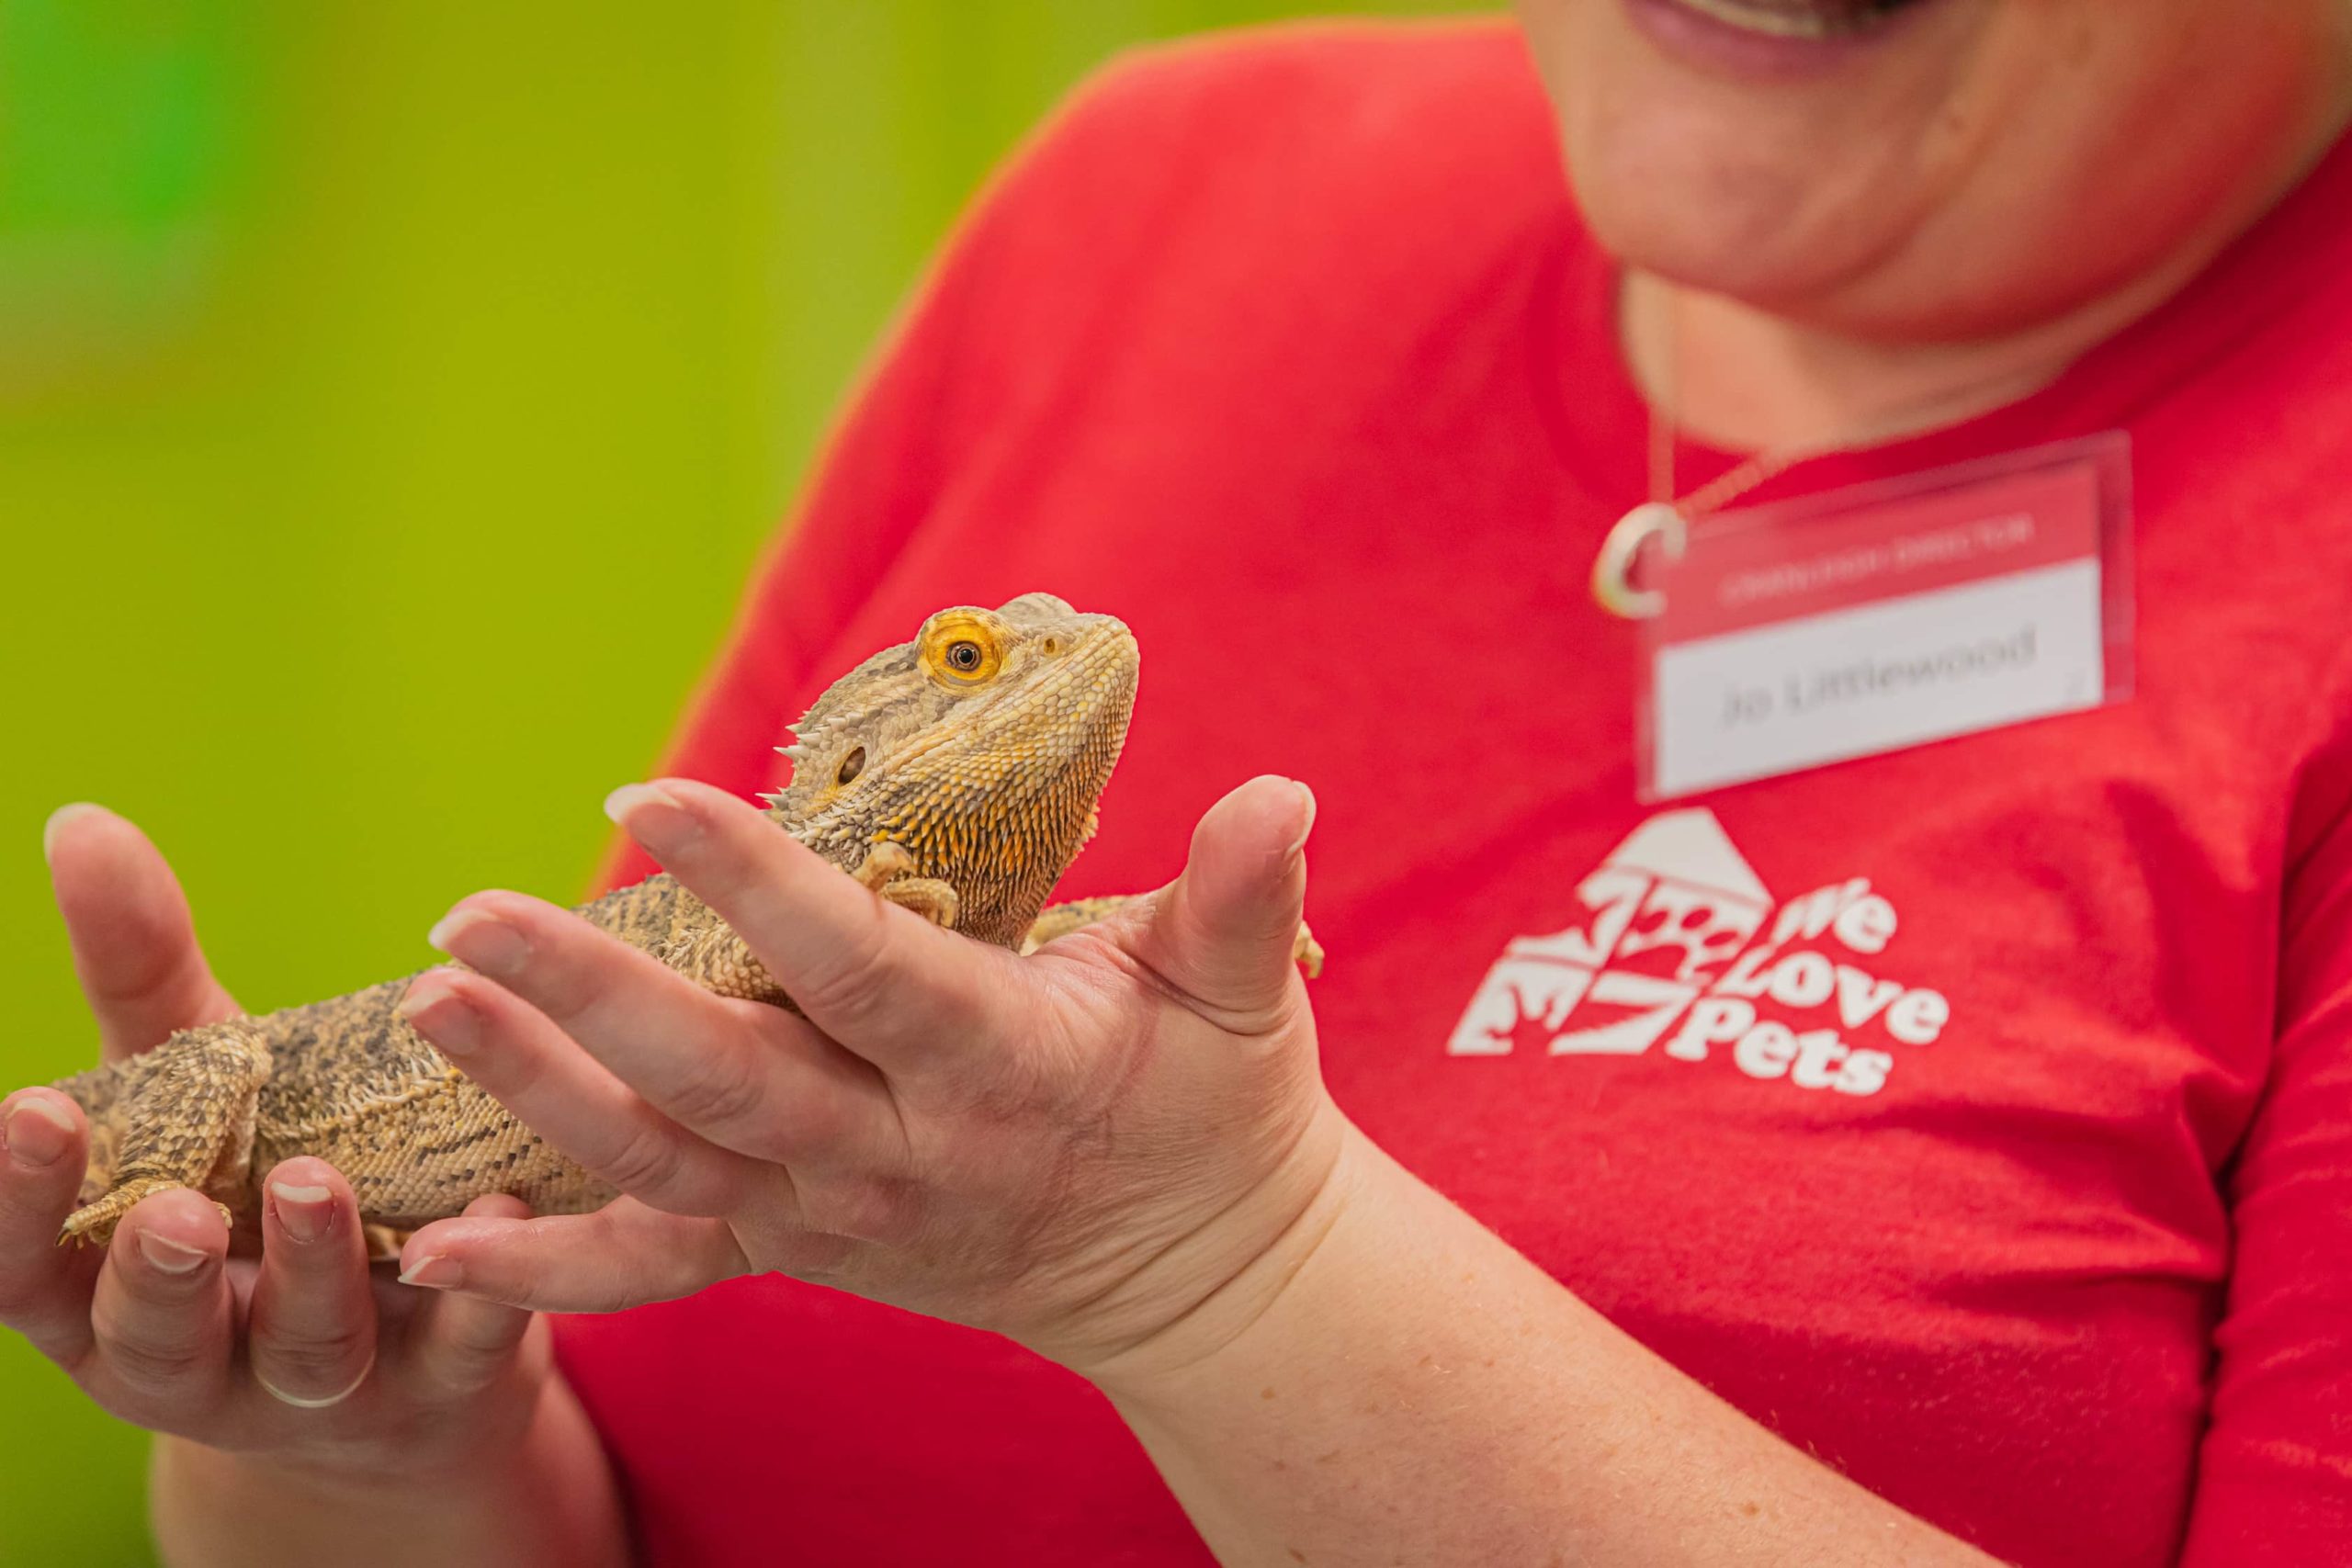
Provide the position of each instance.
(1397, 1384)
(553, 1501)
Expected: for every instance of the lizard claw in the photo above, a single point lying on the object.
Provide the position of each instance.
(884, 863)
(92, 1225)
(932, 899)
(1307, 952)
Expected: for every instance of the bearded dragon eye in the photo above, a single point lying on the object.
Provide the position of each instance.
(962, 648)
(852, 765)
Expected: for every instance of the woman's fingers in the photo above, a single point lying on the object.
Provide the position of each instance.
(44, 1288)
(622, 1255)
(134, 945)
(883, 982)
(459, 1345)
(529, 1066)
(1224, 932)
(163, 1315)
(756, 1080)
(311, 1322)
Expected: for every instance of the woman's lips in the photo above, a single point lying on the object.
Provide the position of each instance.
(1797, 19)
(1770, 38)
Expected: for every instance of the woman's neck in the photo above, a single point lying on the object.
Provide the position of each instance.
(1746, 380)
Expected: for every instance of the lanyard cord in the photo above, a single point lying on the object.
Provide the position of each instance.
(1668, 520)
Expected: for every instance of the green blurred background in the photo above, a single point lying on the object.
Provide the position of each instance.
(393, 400)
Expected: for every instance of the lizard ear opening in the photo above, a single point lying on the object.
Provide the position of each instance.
(852, 765)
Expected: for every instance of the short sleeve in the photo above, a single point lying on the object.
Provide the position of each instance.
(2275, 1474)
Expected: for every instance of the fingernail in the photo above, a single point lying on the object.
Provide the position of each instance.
(171, 1256)
(37, 1132)
(482, 939)
(328, 1402)
(56, 819)
(1307, 827)
(433, 1272)
(435, 1010)
(307, 1212)
(653, 816)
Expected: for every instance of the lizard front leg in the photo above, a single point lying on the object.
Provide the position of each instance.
(189, 1123)
(707, 950)
(888, 869)
(1060, 919)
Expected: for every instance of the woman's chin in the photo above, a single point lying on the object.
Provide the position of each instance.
(1758, 241)
(1772, 192)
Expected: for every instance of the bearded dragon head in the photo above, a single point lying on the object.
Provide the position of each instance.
(980, 747)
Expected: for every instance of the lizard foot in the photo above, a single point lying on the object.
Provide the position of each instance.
(1307, 952)
(94, 1223)
(1063, 919)
(927, 895)
(384, 1242)
(884, 863)
(888, 869)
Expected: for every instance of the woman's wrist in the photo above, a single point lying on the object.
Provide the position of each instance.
(1264, 1301)
(545, 1493)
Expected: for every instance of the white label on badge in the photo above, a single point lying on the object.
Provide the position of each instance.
(1887, 674)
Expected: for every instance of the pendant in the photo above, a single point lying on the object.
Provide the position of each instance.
(1612, 568)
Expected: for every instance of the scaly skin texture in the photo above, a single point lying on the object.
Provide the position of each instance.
(956, 774)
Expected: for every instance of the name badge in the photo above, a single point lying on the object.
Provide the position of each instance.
(1882, 617)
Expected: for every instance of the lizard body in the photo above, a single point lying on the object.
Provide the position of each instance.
(956, 774)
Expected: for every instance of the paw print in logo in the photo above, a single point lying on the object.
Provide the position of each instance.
(1685, 933)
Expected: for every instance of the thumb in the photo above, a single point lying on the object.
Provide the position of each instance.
(1224, 931)
(134, 945)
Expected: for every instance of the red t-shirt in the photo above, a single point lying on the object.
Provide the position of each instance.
(1290, 350)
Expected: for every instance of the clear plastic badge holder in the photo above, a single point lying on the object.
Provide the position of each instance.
(1875, 619)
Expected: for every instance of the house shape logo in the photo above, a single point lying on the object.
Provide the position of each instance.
(1668, 910)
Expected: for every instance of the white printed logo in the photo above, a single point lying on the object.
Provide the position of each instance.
(1679, 941)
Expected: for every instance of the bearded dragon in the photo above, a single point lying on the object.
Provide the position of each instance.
(956, 774)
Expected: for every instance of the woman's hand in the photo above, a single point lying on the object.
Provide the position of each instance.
(298, 1357)
(1080, 1149)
